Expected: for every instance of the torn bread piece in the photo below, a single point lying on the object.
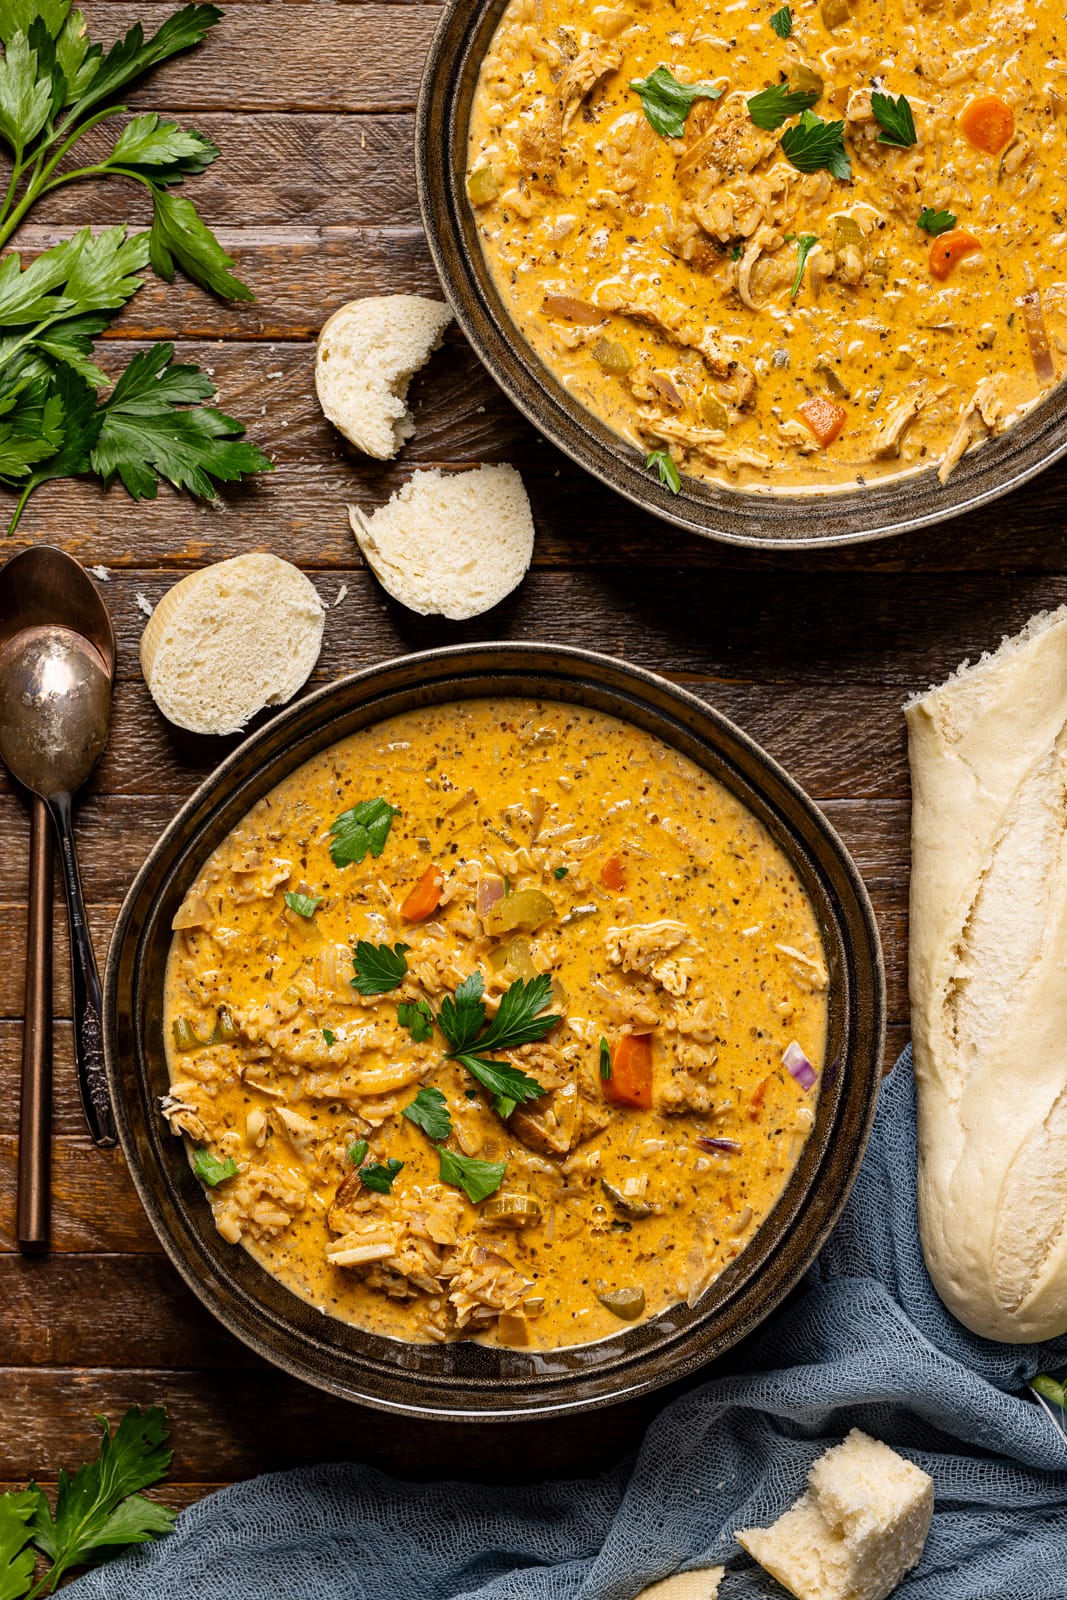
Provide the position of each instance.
(860, 1525)
(988, 979)
(368, 353)
(700, 1585)
(450, 544)
(230, 639)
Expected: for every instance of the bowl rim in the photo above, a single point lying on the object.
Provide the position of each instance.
(796, 520)
(813, 1206)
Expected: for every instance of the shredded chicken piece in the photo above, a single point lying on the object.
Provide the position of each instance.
(978, 419)
(889, 434)
(583, 74)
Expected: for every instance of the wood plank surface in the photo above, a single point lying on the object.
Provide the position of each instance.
(812, 653)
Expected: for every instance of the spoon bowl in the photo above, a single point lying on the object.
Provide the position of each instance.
(55, 695)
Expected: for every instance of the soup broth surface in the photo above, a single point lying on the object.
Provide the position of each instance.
(539, 856)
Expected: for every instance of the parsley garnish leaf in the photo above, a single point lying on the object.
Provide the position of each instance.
(812, 144)
(357, 1153)
(417, 1018)
(160, 150)
(805, 245)
(144, 436)
(429, 1111)
(773, 106)
(782, 22)
(305, 905)
(380, 1177)
(365, 827)
(477, 1179)
(16, 1560)
(520, 1017)
(210, 1170)
(133, 55)
(379, 968)
(667, 102)
(181, 237)
(560, 873)
(936, 222)
(605, 1059)
(460, 1019)
(504, 1082)
(662, 461)
(100, 1507)
(329, 1037)
(897, 122)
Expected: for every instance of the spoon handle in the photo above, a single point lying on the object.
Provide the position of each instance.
(35, 1104)
(85, 983)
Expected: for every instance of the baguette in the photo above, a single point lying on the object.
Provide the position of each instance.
(368, 352)
(450, 544)
(230, 639)
(988, 979)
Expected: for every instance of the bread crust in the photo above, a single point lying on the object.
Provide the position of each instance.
(988, 982)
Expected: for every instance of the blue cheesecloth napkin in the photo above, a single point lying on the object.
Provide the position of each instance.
(864, 1343)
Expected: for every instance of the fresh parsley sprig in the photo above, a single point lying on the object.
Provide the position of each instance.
(935, 222)
(895, 120)
(417, 1018)
(97, 1511)
(380, 1176)
(805, 245)
(782, 22)
(770, 108)
(477, 1179)
(429, 1111)
(521, 1019)
(667, 103)
(305, 905)
(812, 144)
(461, 1017)
(663, 463)
(364, 827)
(379, 968)
(210, 1170)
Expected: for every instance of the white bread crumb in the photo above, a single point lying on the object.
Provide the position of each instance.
(451, 544)
(230, 639)
(860, 1525)
(368, 353)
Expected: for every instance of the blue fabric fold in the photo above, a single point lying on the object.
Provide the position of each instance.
(865, 1343)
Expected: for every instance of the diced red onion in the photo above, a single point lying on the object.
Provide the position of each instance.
(490, 890)
(729, 1146)
(799, 1065)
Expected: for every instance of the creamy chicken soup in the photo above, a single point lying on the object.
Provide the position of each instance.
(791, 246)
(499, 1020)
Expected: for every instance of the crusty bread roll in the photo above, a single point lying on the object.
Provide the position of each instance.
(368, 353)
(230, 639)
(450, 544)
(988, 974)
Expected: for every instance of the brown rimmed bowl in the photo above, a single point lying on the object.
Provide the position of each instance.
(750, 517)
(466, 1379)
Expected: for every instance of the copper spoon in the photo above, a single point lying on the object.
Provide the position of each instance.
(44, 591)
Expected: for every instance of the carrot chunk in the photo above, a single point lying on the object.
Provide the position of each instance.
(950, 248)
(613, 873)
(988, 123)
(424, 899)
(630, 1083)
(824, 417)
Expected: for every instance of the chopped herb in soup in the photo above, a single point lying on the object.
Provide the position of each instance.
(786, 249)
(517, 1061)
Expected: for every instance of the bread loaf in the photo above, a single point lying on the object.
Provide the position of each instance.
(230, 639)
(450, 544)
(988, 977)
(368, 353)
(860, 1525)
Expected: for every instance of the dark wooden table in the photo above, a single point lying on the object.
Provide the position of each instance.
(312, 103)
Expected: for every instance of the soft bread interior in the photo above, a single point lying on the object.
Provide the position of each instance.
(229, 640)
(452, 544)
(368, 352)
